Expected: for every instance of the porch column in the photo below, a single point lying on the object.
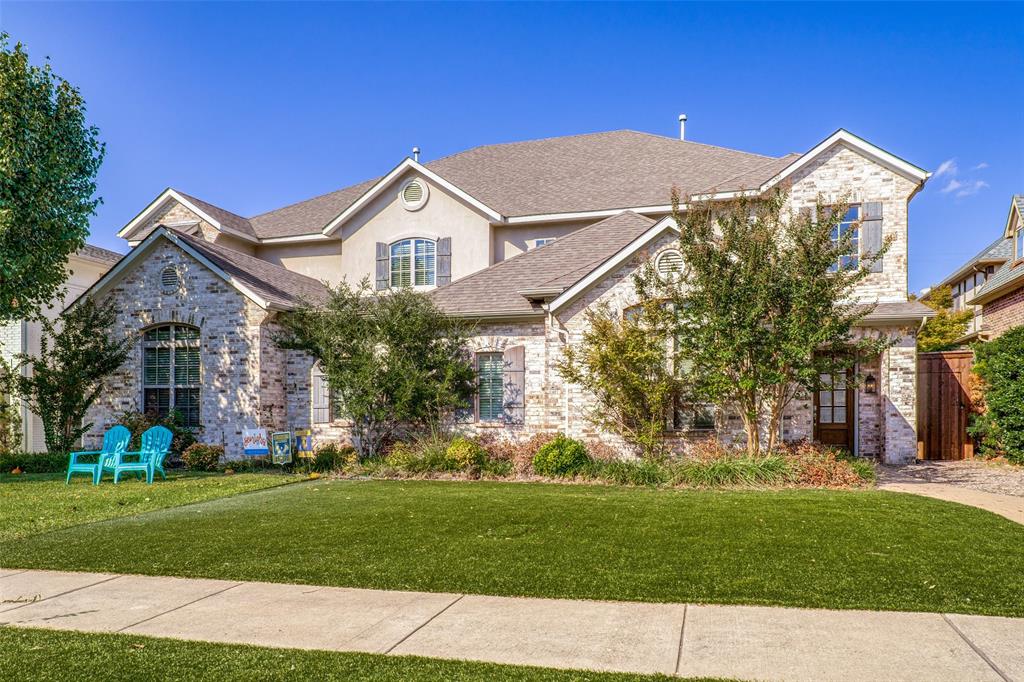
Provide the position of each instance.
(898, 390)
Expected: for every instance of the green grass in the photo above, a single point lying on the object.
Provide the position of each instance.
(35, 503)
(48, 655)
(809, 548)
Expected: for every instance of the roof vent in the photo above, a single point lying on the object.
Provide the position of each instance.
(416, 154)
(682, 126)
(414, 194)
(669, 264)
(169, 279)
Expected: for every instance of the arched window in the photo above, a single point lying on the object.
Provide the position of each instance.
(413, 263)
(171, 371)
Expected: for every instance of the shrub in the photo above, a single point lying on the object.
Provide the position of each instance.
(733, 470)
(202, 457)
(332, 457)
(820, 466)
(496, 468)
(563, 456)
(519, 453)
(1000, 365)
(10, 422)
(33, 462)
(137, 422)
(402, 457)
(464, 454)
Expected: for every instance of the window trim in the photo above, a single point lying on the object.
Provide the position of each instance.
(412, 241)
(835, 267)
(173, 344)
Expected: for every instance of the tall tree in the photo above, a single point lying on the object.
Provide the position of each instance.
(77, 352)
(49, 157)
(391, 360)
(942, 331)
(764, 305)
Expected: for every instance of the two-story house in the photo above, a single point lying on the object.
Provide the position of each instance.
(22, 336)
(522, 238)
(999, 298)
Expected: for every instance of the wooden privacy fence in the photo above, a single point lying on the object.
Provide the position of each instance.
(944, 405)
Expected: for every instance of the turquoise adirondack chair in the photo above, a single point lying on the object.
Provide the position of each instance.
(115, 441)
(149, 459)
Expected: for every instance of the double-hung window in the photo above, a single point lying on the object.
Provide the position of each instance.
(1019, 240)
(413, 263)
(171, 372)
(848, 225)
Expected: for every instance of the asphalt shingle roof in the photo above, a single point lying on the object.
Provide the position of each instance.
(558, 265)
(277, 285)
(1012, 272)
(999, 251)
(597, 171)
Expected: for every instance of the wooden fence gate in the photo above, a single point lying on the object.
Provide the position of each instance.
(944, 405)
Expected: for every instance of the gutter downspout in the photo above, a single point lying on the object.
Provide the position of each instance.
(563, 335)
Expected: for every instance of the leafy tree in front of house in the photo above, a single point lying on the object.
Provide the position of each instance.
(10, 419)
(49, 157)
(764, 304)
(1000, 366)
(942, 331)
(621, 361)
(77, 353)
(392, 360)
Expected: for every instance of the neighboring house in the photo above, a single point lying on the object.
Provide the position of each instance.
(84, 268)
(522, 238)
(1001, 297)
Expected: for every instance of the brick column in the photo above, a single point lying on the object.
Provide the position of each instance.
(898, 390)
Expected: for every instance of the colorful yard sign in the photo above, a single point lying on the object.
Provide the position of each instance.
(304, 442)
(254, 442)
(281, 442)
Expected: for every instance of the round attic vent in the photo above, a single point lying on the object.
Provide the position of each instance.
(414, 194)
(669, 264)
(168, 278)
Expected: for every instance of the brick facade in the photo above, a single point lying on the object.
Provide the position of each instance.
(1004, 313)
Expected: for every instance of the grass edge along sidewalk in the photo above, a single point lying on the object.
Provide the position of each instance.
(39, 654)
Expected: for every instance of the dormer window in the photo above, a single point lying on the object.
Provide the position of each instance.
(413, 263)
(1019, 241)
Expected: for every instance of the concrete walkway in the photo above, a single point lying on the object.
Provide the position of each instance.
(743, 642)
(1010, 506)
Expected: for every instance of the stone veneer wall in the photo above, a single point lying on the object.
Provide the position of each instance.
(1004, 313)
(843, 173)
(242, 373)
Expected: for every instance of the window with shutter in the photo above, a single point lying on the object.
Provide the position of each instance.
(320, 392)
(171, 372)
(413, 263)
(490, 369)
(848, 225)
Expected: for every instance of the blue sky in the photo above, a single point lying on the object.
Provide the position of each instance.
(253, 106)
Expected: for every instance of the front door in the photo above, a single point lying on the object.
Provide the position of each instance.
(833, 412)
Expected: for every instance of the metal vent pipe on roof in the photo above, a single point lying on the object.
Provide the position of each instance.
(682, 126)
(416, 154)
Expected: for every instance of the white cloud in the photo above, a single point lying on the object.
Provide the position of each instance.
(971, 188)
(952, 186)
(980, 166)
(947, 167)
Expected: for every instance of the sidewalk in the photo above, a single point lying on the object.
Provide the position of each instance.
(1009, 506)
(744, 642)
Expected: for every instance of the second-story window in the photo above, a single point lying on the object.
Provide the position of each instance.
(413, 263)
(850, 223)
(1019, 239)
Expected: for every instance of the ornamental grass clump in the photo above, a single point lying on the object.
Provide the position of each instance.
(563, 457)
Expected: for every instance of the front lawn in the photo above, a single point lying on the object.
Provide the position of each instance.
(810, 548)
(49, 655)
(35, 503)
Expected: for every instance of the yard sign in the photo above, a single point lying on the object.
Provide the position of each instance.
(282, 444)
(254, 442)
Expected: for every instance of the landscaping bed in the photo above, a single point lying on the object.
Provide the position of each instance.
(809, 548)
(557, 458)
